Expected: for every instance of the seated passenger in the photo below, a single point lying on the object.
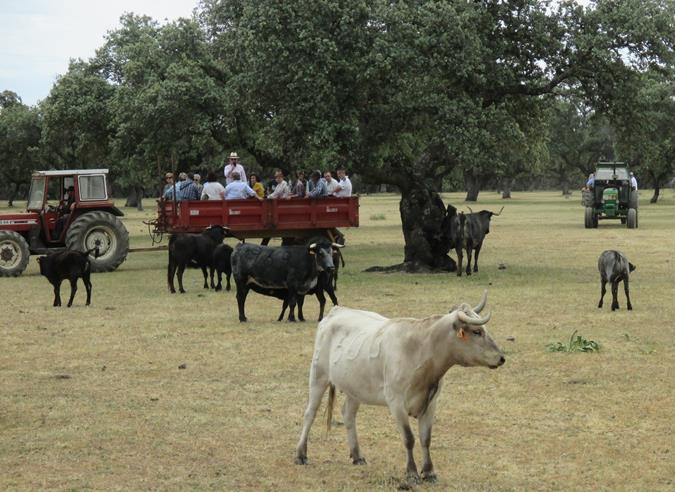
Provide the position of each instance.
(344, 186)
(331, 184)
(317, 186)
(281, 190)
(212, 189)
(238, 189)
(256, 185)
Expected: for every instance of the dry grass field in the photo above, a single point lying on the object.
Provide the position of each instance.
(94, 398)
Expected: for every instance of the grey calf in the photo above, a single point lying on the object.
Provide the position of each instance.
(614, 267)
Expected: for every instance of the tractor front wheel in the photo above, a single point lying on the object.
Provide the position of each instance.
(14, 254)
(632, 219)
(100, 230)
(590, 220)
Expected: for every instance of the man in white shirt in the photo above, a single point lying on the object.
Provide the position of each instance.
(344, 185)
(281, 190)
(234, 167)
(331, 184)
(633, 182)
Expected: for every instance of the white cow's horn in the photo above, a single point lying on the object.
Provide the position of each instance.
(465, 318)
(336, 245)
(312, 246)
(479, 307)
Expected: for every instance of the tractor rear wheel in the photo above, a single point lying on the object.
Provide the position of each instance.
(632, 219)
(102, 230)
(590, 221)
(633, 200)
(14, 254)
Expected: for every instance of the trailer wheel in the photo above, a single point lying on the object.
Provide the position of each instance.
(632, 219)
(14, 254)
(102, 230)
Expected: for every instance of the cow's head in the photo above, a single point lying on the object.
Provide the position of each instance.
(485, 216)
(323, 252)
(473, 345)
(216, 233)
(42, 261)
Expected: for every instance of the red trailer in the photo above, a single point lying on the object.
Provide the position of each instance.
(296, 218)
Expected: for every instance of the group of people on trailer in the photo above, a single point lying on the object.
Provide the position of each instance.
(190, 187)
(590, 182)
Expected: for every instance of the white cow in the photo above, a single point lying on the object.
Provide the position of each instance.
(398, 363)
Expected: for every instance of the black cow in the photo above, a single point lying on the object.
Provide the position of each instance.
(222, 262)
(67, 265)
(614, 267)
(292, 268)
(194, 250)
(337, 258)
(467, 231)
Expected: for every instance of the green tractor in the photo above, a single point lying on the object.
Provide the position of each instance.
(611, 196)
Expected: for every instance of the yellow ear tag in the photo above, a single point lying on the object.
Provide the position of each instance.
(461, 334)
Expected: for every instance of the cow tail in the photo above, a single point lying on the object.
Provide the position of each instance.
(329, 407)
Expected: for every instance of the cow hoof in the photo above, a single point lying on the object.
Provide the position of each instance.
(243, 320)
(630, 308)
(429, 477)
(228, 288)
(291, 320)
(301, 460)
(413, 477)
(359, 461)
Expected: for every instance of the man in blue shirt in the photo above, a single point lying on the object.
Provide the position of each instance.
(317, 186)
(237, 189)
(189, 190)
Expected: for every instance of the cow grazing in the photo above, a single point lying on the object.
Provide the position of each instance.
(222, 262)
(194, 250)
(293, 268)
(67, 265)
(398, 363)
(614, 267)
(467, 232)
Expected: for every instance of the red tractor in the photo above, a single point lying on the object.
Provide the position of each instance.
(66, 209)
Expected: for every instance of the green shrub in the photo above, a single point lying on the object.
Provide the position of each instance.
(575, 344)
(378, 217)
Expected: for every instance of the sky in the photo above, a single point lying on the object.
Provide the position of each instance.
(39, 37)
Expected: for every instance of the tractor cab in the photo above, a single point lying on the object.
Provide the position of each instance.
(59, 196)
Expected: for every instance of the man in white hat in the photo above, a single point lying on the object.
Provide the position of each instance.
(233, 166)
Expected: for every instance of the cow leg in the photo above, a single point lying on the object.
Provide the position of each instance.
(206, 277)
(615, 295)
(73, 289)
(301, 303)
(283, 310)
(86, 278)
(322, 302)
(398, 411)
(242, 291)
(459, 260)
(468, 261)
(625, 289)
(170, 274)
(349, 409)
(331, 294)
(57, 293)
(219, 286)
(317, 387)
(475, 258)
(212, 270)
(228, 288)
(292, 301)
(181, 269)
(603, 290)
(425, 422)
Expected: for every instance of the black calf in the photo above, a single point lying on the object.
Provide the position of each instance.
(614, 267)
(221, 262)
(194, 250)
(67, 265)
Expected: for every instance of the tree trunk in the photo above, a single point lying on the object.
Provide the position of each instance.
(425, 230)
(565, 187)
(472, 184)
(506, 185)
(657, 191)
(135, 198)
(13, 188)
